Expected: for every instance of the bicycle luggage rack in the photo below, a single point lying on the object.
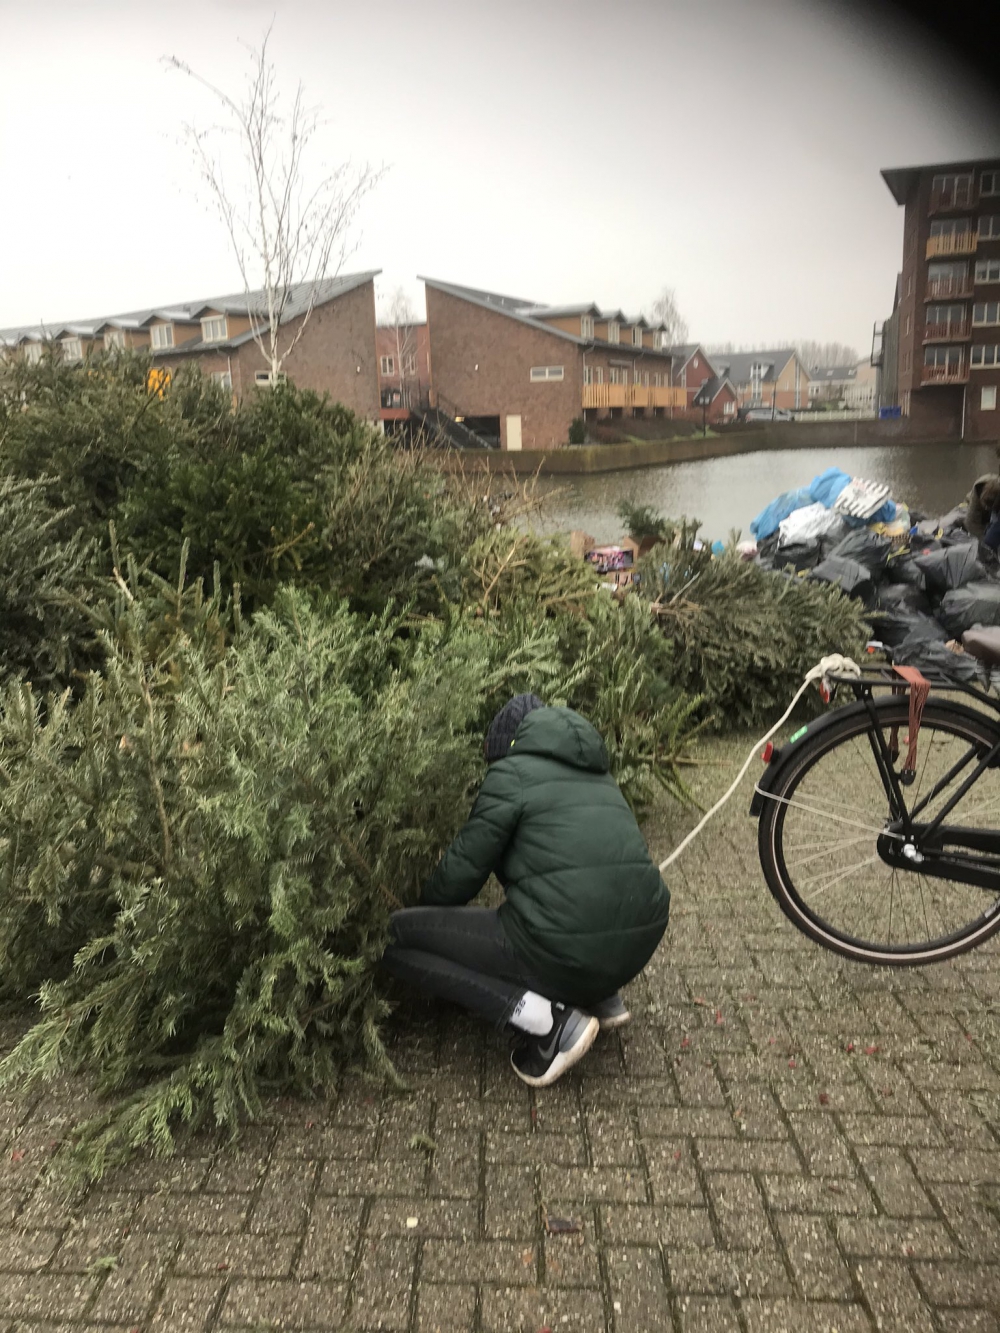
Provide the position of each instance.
(884, 676)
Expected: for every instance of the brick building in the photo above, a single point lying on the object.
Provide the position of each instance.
(715, 401)
(335, 354)
(948, 312)
(404, 369)
(692, 369)
(520, 373)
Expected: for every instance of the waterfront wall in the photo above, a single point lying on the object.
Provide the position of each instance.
(591, 458)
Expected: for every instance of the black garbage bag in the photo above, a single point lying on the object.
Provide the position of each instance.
(895, 627)
(958, 537)
(951, 567)
(866, 547)
(800, 555)
(975, 604)
(937, 660)
(900, 569)
(902, 596)
(852, 578)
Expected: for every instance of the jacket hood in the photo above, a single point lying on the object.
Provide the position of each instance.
(562, 734)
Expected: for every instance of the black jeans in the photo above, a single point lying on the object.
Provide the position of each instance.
(460, 954)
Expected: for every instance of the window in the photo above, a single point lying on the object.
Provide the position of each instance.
(909, 285)
(214, 329)
(32, 353)
(989, 228)
(613, 331)
(114, 340)
(588, 375)
(907, 360)
(946, 314)
(728, 408)
(756, 378)
(988, 270)
(263, 377)
(636, 376)
(637, 337)
(161, 336)
(409, 364)
(951, 227)
(906, 326)
(598, 374)
(989, 183)
(223, 379)
(984, 354)
(645, 378)
(986, 312)
(586, 326)
(539, 373)
(656, 379)
(386, 365)
(952, 189)
(72, 349)
(944, 358)
(988, 398)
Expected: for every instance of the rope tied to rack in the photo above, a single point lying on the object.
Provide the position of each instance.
(835, 664)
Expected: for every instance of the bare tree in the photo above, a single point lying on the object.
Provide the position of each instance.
(289, 228)
(398, 317)
(665, 312)
(826, 354)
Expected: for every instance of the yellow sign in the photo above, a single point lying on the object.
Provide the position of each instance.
(158, 381)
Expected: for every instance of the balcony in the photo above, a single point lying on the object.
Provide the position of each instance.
(957, 243)
(948, 289)
(952, 198)
(955, 372)
(947, 333)
(633, 395)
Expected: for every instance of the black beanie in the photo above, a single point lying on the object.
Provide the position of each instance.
(505, 724)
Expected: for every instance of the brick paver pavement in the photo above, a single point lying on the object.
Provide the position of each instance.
(780, 1141)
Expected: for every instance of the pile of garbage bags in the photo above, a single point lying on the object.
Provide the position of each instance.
(924, 580)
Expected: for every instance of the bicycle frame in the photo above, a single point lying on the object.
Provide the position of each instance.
(908, 844)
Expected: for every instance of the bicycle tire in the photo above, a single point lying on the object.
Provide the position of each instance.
(964, 726)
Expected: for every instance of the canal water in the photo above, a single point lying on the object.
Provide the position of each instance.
(726, 493)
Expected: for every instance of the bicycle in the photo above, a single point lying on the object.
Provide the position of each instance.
(887, 850)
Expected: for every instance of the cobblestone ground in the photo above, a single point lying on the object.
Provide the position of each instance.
(780, 1141)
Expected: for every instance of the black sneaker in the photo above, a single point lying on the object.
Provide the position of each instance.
(539, 1061)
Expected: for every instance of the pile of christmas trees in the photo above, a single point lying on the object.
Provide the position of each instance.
(246, 661)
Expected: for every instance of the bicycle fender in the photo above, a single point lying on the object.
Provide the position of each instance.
(782, 754)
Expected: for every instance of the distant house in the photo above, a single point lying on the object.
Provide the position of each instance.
(852, 387)
(404, 369)
(521, 372)
(717, 399)
(771, 378)
(692, 368)
(335, 354)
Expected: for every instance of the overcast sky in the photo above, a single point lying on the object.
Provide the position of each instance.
(553, 150)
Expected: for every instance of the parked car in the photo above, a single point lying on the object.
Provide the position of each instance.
(766, 414)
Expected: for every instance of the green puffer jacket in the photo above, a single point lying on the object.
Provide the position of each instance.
(585, 905)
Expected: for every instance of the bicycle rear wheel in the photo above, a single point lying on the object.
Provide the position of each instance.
(831, 849)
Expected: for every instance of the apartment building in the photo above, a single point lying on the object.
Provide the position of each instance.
(519, 372)
(773, 378)
(948, 311)
(335, 353)
(692, 369)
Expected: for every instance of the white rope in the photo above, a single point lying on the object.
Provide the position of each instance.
(824, 668)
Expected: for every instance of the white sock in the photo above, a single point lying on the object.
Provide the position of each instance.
(532, 1013)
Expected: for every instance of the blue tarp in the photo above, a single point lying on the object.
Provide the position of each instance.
(769, 519)
(825, 488)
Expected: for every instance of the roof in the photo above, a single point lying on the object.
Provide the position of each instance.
(683, 352)
(533, 314)
(901, 180)
(711, 389)
(737, 364)
(827, 373)
(240, 303)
